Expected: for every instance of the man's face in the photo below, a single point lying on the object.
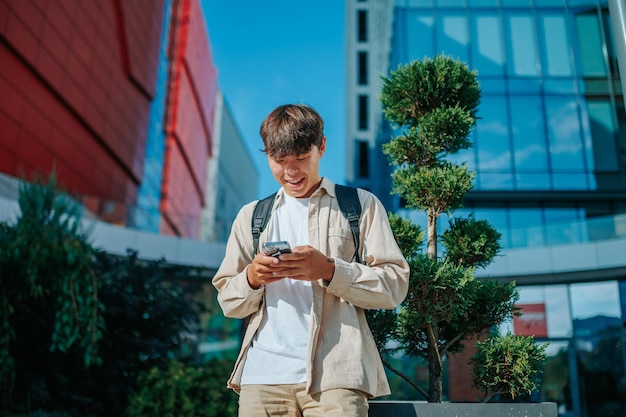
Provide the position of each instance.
(299, 174)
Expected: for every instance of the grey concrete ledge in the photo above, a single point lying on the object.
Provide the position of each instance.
(424, 409)
(567, 263)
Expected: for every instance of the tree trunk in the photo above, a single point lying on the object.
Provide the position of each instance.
(432, 234)
(435, 366)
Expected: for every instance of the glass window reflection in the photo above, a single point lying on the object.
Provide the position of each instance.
(522, 50)
(532, 181)
(487, 53)
(450, 3)
(590, 45)
(555, 302)
(563, 226)
(566, 149)
(570, 181)
(603, 156)
(452, 36)
(595, 307)
(473, 3)
(492, 136)
(555, 384)
(600, 375)
(528, 132)
(556, 48)
(500, 181)
(419, 28)
(526, 228)
(515, 3)
(544, 3)
(420, 3)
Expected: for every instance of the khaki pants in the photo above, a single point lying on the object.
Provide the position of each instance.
(293, 401)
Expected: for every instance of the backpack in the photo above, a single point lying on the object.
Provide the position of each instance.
(347, 198)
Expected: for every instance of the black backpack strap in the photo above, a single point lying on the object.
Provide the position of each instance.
(350, 205)
(260, 216)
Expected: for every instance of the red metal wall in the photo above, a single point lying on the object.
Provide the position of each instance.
(189, 126)
(76, 82)
(460, 385)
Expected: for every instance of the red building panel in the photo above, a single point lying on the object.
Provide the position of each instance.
(76, 83)
(191, 133)
(39, 134)
(460, 388)
(532, 322)
(66, 96)
(189, 115)
(181, 203)
(142, 38)
(199, 63)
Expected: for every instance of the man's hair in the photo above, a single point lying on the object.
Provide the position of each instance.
(291, 129)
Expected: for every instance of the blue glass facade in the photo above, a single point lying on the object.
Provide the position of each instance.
(146, 215)
(549, 153)
(550, 144)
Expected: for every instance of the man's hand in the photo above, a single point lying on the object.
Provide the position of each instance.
(305, 263)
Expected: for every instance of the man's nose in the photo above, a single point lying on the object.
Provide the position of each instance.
(291, 167)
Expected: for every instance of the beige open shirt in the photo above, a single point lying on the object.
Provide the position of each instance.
(342, 352)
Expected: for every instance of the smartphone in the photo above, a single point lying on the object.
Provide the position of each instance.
(276, 248)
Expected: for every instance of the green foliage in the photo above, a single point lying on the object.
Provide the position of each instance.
(471, 242)
(446, 187)
(410, 236)
(424, 86)
(507, 365)
(384, 327)
(56, 293)
(184, 390)
(49, 291)
(151, 319)
(443, 132)
(434, 287)
(449, 299)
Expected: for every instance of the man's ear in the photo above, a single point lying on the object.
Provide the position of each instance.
(323, 146)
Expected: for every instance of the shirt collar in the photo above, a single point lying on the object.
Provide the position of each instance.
(326, 186)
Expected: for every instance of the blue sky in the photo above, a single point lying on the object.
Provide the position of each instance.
(268, 53)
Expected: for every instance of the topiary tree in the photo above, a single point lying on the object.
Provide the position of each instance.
(432, 106)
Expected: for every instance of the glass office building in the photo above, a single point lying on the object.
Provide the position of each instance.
(549, 153)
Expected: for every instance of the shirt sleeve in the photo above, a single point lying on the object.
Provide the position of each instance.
(381, 281)
(235, 296)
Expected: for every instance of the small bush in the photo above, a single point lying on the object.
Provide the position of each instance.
(507, 365)
(184, 390)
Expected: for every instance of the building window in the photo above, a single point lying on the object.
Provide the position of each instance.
(363, 161)
(591, 45)
(362, 112)
(523, 56)
(362, 26)
(362, 76)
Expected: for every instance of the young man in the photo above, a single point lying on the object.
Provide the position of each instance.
(307, 350)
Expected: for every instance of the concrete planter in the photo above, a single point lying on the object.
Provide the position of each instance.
(424, 409)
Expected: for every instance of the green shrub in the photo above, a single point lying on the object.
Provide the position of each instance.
(507, 365)
(184, 390)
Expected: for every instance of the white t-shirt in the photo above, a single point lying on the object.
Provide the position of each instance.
(279, 350)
